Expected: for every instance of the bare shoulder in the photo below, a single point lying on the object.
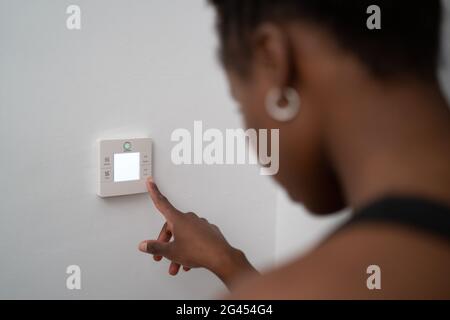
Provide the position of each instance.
(412, 265)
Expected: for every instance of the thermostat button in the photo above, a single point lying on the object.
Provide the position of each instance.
(145, 159)
(106, 161)
(146, 171)
(106, 175)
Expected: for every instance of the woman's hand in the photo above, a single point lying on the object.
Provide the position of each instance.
(196, 243)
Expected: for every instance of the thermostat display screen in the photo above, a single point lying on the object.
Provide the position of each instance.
(126, 166)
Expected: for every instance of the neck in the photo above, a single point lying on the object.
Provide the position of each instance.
(392, 140)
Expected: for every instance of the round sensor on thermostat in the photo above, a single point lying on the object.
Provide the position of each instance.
(127, 146)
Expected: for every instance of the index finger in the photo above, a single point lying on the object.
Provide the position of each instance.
(162, 204)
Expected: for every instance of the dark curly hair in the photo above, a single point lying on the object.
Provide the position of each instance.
(408, 41)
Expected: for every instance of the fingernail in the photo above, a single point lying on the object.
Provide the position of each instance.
(150, 179)
(143, 246)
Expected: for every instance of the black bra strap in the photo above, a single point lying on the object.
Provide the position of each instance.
(418, 213)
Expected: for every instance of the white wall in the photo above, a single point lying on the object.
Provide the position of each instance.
(137, 68)
(445, 70)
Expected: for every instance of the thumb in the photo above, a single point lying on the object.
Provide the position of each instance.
(155, 247)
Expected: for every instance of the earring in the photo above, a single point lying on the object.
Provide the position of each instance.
(283, 113)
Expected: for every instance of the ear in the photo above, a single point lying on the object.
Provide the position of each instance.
(272, 52)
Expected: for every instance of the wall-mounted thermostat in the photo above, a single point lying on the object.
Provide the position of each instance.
(124, 165)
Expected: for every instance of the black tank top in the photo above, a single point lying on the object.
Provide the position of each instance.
(420, 214)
